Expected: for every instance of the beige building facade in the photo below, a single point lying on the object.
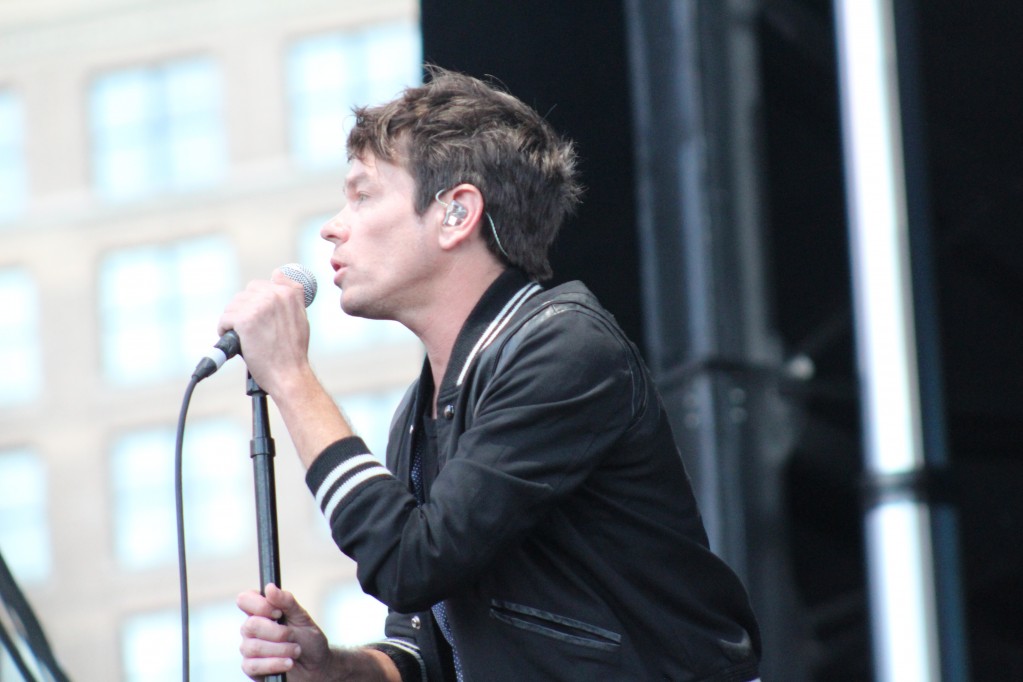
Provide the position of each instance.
(158, 154)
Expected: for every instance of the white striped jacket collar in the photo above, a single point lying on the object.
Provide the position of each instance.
(495, 310)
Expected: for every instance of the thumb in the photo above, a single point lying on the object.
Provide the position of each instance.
(288, 607)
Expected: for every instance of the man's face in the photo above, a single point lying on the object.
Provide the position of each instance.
(383, 251)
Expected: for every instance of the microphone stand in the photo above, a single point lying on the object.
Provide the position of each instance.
(262, 452)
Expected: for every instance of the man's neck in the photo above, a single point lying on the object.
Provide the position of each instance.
(439, 327)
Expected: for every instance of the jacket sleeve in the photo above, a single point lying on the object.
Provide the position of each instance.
(563, 392)
(401, 647)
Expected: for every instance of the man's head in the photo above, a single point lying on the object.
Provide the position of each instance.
(456, 129)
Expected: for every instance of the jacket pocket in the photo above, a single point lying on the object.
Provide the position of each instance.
(554, 626)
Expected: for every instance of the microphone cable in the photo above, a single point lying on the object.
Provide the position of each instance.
(179, 504)
(225, 348)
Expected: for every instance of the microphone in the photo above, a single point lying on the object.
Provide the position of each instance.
(230, 345)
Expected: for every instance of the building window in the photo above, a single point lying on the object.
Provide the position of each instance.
(332, 329)
(353, 617)
(160, 305)
(151, 645)
(13, 178)
(157, 128)
(24, 528)
(328, 74)
(20, 357)
(217, 491)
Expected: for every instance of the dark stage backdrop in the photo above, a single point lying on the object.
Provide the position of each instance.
(569, 59)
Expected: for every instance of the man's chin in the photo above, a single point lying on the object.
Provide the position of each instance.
(355, 308)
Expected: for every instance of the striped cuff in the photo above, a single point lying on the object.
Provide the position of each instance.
(405, 656)
(339, 471)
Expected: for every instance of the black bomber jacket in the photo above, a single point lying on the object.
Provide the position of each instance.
(560, 527)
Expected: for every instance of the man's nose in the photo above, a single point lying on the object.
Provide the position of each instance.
(334, 230)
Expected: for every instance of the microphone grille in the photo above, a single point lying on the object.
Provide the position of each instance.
(298, 273)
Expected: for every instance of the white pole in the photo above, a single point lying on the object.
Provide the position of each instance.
(898, 527)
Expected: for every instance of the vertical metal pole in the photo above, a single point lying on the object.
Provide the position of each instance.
(699, 222)
(898, 524)
(262, 451)
(709, 329)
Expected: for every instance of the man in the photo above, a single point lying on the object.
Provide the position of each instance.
(534, 521)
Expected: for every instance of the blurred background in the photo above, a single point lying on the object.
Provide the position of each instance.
(157, 154)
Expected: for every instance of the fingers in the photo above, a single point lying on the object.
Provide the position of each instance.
(277, 632)
(261, 658)
(259, 668)
(284, 602)
(246, 305)
(261, 653)
(263, 638)
(258, 297)
(274, 604)
(255, 604)
(266, 646)
(277, 277)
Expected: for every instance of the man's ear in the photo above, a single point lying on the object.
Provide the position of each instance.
(462, 213)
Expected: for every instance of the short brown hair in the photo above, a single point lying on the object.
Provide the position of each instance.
(457, 129)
